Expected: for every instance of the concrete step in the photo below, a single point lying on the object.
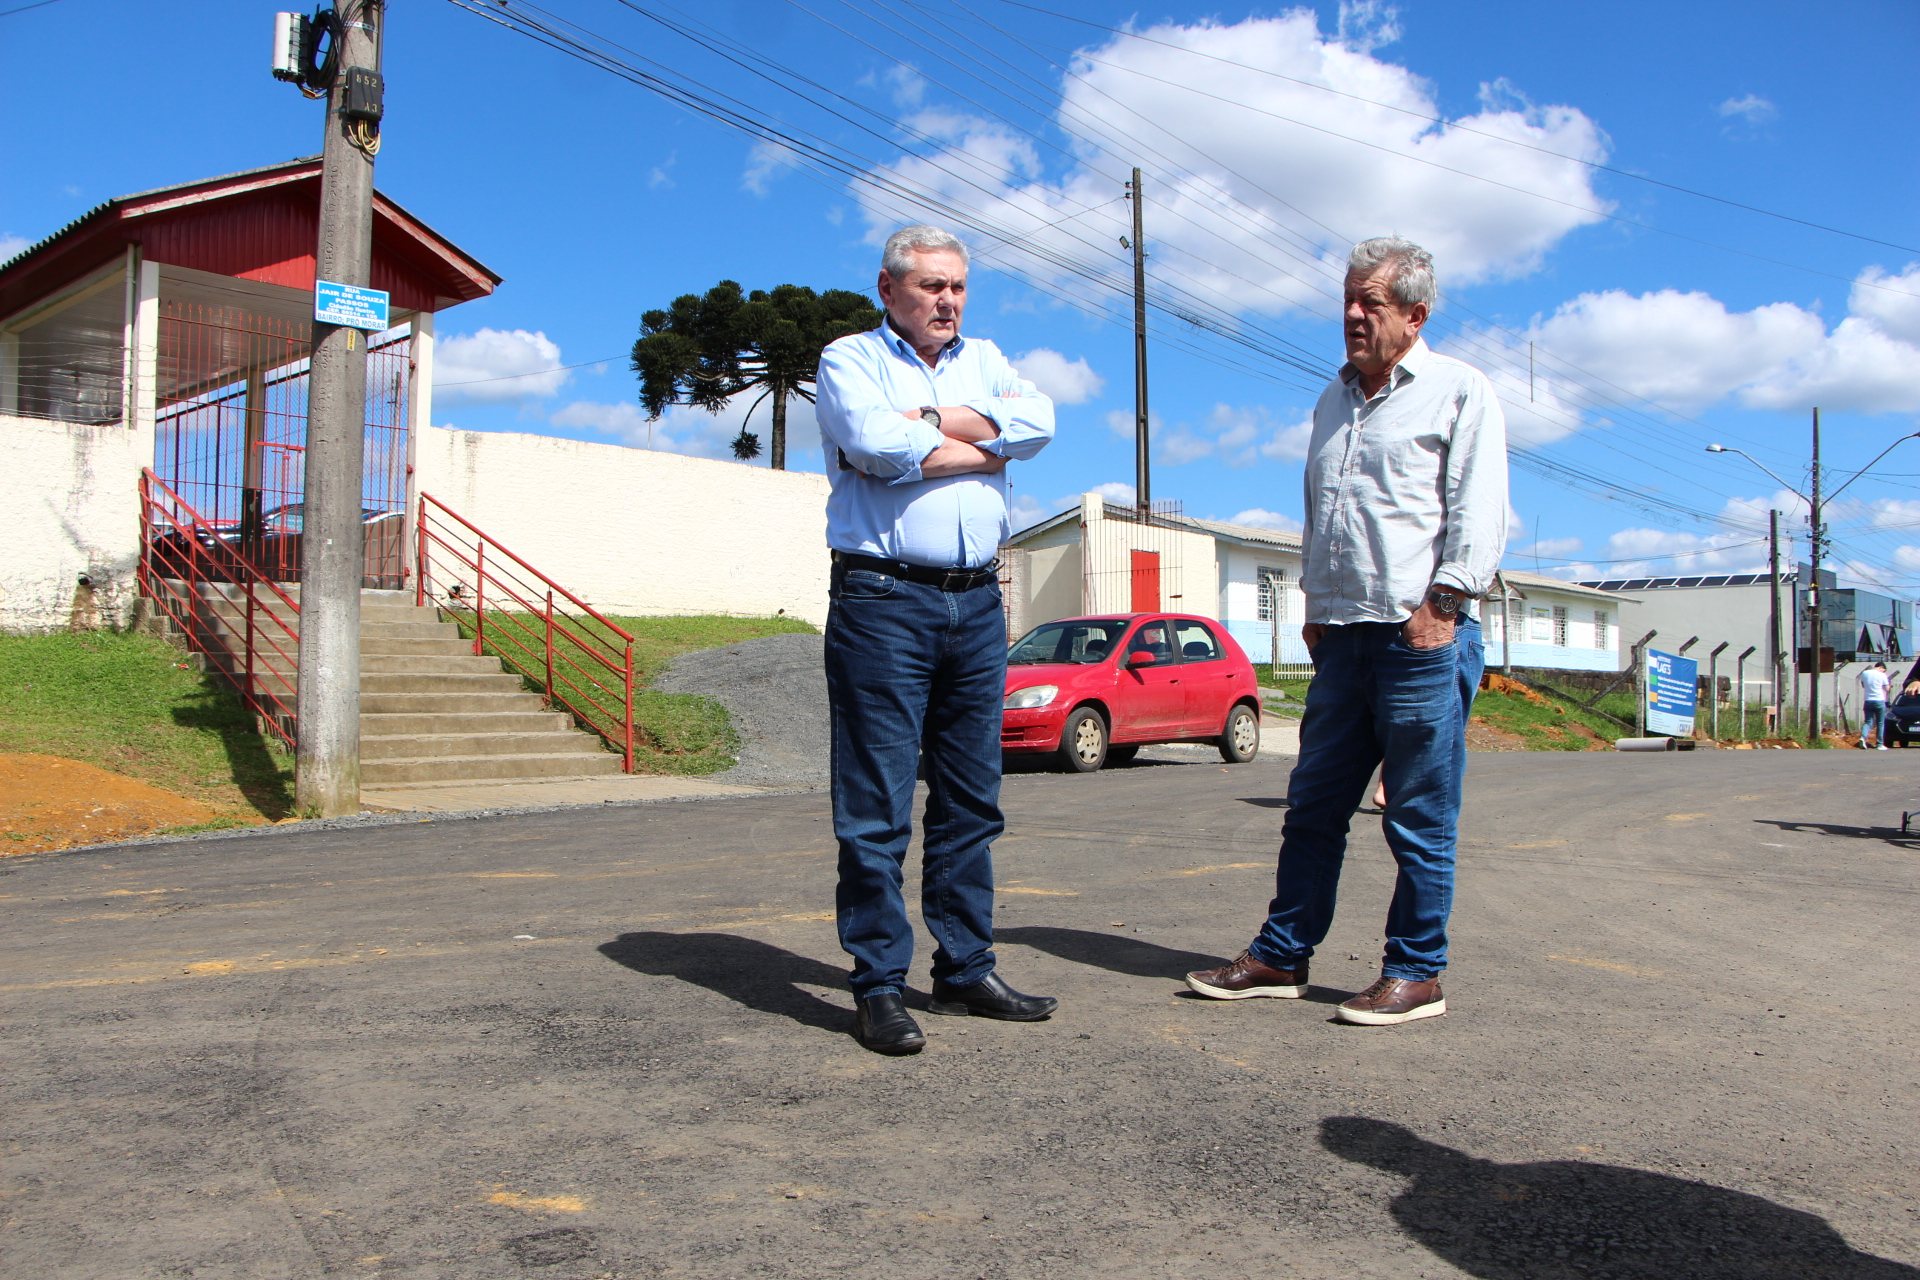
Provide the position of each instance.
(393, 724)
(423, 627)
(414, 647)
(394, 772)
(496, 681)
(427, 663)
(493, 701)
(436, 746)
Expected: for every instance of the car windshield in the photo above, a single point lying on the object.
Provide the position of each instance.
(1082, 640)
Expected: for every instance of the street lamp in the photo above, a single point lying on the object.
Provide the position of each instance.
(1817, 531)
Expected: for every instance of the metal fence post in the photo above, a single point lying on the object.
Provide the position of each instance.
(1713, 687)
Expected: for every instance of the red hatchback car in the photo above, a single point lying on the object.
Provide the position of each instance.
(1098, 689)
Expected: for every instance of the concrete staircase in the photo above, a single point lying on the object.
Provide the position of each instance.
(431, 711)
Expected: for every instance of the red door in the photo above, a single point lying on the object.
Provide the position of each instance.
(1146, 582)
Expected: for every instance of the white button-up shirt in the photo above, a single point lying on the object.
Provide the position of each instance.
(880, 504)
(1404, 490)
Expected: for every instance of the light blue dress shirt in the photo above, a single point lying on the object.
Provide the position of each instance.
(880, 504)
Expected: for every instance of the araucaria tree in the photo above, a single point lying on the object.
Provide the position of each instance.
(708, 348)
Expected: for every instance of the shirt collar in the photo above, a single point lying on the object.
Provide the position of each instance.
(1409, 365)
(896, 340)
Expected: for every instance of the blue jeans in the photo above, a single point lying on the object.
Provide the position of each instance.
(1874, 714)
(1374, 697)
(915, 675)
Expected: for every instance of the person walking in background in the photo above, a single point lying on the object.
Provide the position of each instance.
(1406, 520)
(1874, 682)
(918, 424)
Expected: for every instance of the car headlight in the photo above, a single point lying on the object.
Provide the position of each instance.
(1034, 695)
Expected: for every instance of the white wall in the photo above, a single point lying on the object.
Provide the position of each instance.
(637, 532)
(70, 494)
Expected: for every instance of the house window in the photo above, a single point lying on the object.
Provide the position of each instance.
(1601, 623)
(1560, 625)
(1271, 581)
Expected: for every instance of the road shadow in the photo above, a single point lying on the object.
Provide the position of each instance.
(1567, 1218)
(1265, 802)
(1114, 952)
(750, 972)
(1892, 835)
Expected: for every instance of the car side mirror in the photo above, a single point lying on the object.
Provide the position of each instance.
(1141, 658)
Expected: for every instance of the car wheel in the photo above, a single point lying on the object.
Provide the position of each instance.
(1083, 743)
(1241, 740)
(1120, 755)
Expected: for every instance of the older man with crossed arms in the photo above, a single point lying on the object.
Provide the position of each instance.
(918, 424)
(1406, 518)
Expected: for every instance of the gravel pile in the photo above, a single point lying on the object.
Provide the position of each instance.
(776, 691)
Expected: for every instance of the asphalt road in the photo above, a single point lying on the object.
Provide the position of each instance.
(612, 1042)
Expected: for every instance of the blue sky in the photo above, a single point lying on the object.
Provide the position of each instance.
(1657, 226)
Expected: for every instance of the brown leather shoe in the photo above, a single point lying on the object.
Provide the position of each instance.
(1244, 977)
(1392, 1000)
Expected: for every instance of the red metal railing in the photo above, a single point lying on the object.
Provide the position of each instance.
(581, 659)
(198, 573)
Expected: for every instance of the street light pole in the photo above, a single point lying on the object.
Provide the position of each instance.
(1817, 536)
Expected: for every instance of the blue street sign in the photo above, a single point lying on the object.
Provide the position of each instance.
(1672, 693)
(350, 305)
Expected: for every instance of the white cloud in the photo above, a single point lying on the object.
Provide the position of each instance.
(767, 160)
(1857, 368)
(661, 175)
(1637, 553)
(1261, 518)
(497, 365)
(1891, 303)
(1116, 492)
(1366, 25)
(1247, 110)
(1065, 381)
(12, 246)
(906, 84)
(1751, 109)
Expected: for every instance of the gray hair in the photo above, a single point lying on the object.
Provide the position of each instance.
(897, 257)
(1412, 278)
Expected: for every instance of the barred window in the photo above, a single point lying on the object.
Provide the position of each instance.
(1601, 622)
(1271, 581)
(1560, 625)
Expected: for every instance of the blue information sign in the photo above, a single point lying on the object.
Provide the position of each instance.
(350, 305)
(1672, 693)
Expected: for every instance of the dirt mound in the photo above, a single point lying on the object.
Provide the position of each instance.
(47, 802)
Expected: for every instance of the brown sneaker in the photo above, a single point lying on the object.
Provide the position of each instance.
(1392, 1000)
(1244, 977)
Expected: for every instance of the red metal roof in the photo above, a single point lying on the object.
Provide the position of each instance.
(260, 225)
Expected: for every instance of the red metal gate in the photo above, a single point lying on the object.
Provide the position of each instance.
(231, 434)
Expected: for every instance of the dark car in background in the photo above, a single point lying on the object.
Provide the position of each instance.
(1095, 690)
(1903, 720)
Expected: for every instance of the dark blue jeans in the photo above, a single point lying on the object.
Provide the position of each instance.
(915, 675)
(1374, 697)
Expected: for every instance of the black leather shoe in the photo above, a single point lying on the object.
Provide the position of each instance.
(883, 1025)
(991, 997)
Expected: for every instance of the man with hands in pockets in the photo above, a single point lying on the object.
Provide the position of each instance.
(1406, 520)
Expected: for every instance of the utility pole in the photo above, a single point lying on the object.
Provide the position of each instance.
(327, 757)
(1818, 533)
(1773, 619)
(1141, 485)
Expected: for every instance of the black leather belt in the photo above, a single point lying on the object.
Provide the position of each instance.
(924, 574)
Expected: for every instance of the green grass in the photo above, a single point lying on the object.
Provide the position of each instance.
(133, 704)
(674, 733)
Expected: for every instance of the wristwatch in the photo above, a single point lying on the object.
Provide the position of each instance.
(1445, 601)
(930, 416)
